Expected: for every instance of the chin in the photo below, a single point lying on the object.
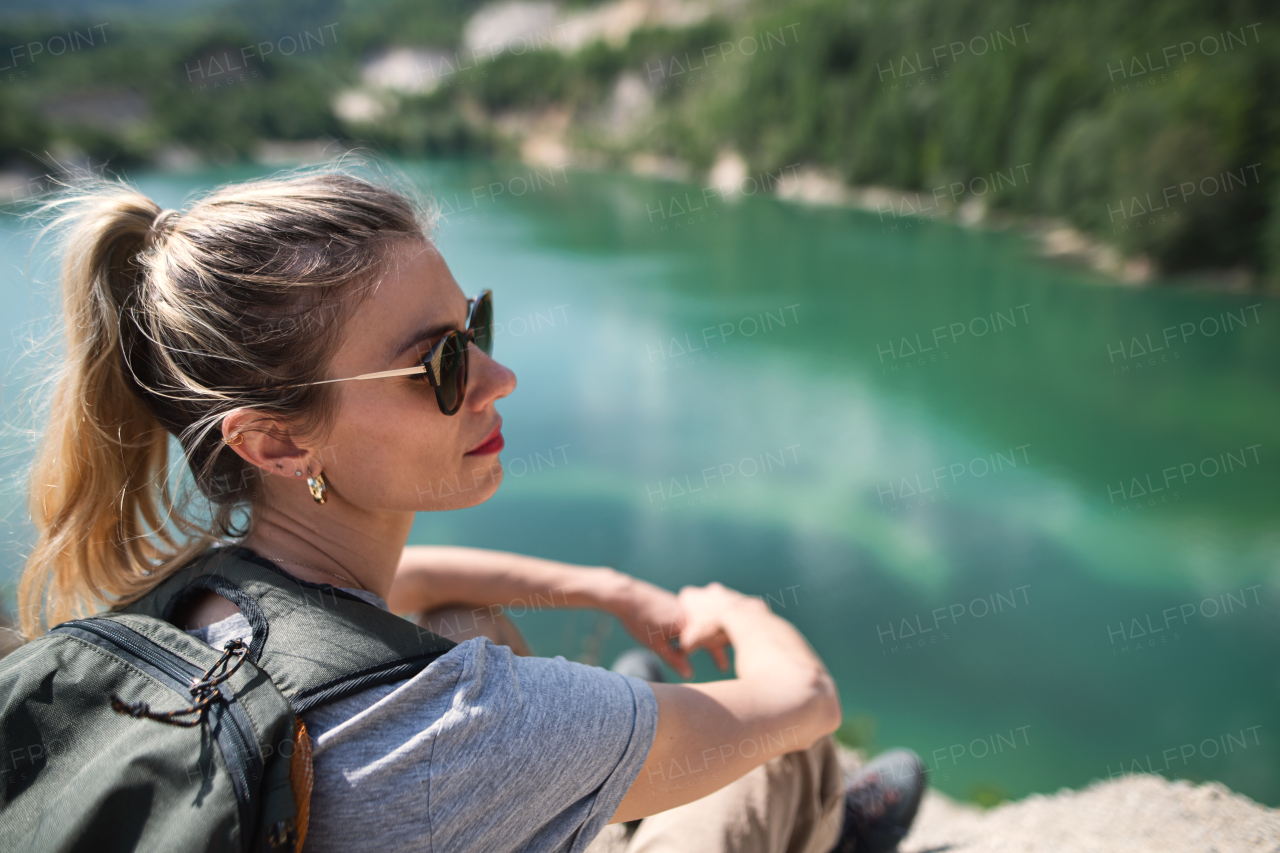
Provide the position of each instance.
(469, 486)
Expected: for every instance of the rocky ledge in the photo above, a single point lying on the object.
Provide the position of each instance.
(1135, 814)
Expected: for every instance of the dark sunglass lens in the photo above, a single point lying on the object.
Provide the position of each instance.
(482, 323)
(453, 374)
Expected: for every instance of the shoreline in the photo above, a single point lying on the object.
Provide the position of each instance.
(540, 142)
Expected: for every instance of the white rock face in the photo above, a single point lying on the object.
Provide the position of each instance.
(356, 106)
(630, 105)
(813, 186)
(411, 71)
(729, 172)
(516, 27)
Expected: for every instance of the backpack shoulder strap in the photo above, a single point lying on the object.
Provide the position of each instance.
(316, 642)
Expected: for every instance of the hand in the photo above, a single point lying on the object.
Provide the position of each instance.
(705, 608)
(654, 617)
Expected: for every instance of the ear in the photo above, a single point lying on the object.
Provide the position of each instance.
(268, 443)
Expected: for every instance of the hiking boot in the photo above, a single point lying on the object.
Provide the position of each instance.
(641, 663)
(880, 802)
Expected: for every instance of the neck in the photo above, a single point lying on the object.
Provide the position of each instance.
(338, 540)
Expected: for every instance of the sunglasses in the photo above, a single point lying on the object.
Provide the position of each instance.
(445, 365)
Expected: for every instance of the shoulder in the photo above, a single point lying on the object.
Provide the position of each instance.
(481, 748)
(486, 685)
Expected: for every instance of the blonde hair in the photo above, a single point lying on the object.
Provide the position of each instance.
(170, 322)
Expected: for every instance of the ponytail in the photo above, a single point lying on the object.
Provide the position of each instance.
(173, 320)
(99, 497)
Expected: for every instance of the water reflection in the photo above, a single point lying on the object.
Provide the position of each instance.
(947, 462)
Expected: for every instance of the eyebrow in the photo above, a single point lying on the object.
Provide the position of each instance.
(419, 336)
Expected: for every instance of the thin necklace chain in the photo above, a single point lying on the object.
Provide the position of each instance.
(317, 569)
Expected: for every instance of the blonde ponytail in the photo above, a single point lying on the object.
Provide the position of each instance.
(171, 322)
(101, 520)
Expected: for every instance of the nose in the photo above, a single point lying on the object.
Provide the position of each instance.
(489, 381)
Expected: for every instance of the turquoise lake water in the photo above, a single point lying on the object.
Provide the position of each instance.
(1029, 519)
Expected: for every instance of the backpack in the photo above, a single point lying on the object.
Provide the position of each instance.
(123, 732)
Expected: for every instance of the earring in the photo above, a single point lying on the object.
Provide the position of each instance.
(317, 486)
(234, 440)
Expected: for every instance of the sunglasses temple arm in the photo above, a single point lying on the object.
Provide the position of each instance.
(404, 371)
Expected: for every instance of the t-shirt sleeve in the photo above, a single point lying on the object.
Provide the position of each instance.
(548, 742)
(487, 751)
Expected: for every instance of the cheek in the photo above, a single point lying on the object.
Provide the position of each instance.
(391, 450)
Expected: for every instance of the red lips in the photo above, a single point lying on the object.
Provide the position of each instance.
(492, 444)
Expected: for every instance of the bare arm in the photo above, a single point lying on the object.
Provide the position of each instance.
(432, 577)
(782, 700)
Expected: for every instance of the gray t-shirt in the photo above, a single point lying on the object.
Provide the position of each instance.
(481, 751)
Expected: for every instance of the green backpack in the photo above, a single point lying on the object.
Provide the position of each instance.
(123, 732)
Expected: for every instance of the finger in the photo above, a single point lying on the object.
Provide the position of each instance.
(673, 656)
(717, 646)
(676, 660)
(661, 642)
(714, 643)
(695, 636)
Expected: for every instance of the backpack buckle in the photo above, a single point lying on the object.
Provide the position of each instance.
(283, 835)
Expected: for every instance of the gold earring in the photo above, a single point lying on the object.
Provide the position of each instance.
(317, 486)
(234, 440)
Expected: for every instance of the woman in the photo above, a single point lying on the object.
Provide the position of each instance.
(307, 345)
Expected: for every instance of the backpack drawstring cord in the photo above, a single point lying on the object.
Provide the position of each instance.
(204, 690)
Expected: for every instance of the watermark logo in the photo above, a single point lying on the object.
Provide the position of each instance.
(944, 196)
(979, 748)
(1139, 353)
(692, 208)
(515, 187)
(23, 761)
(903, 490)
(671, 631)
(476, 619)
(27, 53)
(681, 772)
(225, 486)
(912, 72)
(910, 633)
(673, 73)
(1139, 493)
(227, 68)
(679, 492)
(909, 352)
(679, 350)
(444, 488)
(518, 327)
(1133, 211)
(1212, 747)
(1136, 69)
(1143, 633)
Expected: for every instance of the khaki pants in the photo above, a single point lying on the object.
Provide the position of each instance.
(792, 804)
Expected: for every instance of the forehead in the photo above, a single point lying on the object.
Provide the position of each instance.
(416, 293)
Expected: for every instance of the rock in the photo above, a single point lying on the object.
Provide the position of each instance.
(1139, 813)
(1135, 814)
